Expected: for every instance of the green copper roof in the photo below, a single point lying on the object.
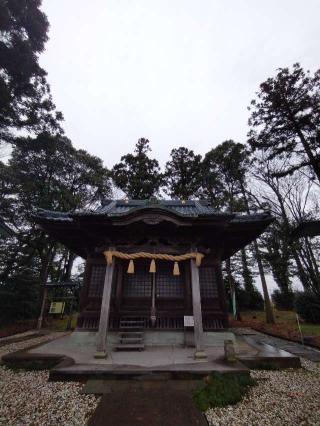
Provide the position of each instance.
(115, 208)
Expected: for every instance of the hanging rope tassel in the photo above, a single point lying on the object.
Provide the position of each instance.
(152, 266)
(199, 257)
(176, 270)
(108, 256)
(130, 267)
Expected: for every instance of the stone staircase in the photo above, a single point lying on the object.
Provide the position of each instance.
(131, 335)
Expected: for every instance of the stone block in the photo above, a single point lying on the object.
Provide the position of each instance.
(229, 351)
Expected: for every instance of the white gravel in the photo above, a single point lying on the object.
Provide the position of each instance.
(27, 398)
(13, 347)
(285, 397)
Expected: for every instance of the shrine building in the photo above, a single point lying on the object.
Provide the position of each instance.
(150, 264)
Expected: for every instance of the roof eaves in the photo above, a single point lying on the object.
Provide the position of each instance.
(5, 230)
(150, 207)
(52, 215)
(254, 217)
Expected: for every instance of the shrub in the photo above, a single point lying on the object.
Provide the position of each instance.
(307, 305)
(246, 300)
(283, 300)
(19, 299)
(221, 390)
(249, 300)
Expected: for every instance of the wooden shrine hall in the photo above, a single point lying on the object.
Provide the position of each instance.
(153, 261)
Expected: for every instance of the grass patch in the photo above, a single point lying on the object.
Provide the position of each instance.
(31, 365)
(60, 324)
(310, 329)
(285, 325)
(280, 316)
(267, 366)
(221, 390)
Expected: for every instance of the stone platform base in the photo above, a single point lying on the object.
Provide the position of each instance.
(75, 354)
(79, 372)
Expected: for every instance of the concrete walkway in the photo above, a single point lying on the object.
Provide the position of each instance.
(294, 348)
(149, 407)
(20, 337)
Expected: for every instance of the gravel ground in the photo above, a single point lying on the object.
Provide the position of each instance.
(287, 397)
(13, 347)
(24, 344)
(27, 398)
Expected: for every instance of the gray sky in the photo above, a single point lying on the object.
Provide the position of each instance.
(179, 72)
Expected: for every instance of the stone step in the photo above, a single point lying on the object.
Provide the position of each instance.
(131, 328)
(130, 347)
(130, 334)
(128, 322)
(183, 372)
(125, 340)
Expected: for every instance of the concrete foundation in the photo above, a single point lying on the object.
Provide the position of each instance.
(165, 353)
(81, 345)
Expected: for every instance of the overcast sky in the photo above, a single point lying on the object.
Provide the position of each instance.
(179, 72)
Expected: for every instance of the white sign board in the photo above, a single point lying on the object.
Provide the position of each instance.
(188, 321)
(57, 308)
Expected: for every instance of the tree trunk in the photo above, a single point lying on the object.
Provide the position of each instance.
(303, 277)
(232, 290)
(69, 265)
(267, 302)
(45, 262)
(43, 280)
(313, 261)
(246, 273)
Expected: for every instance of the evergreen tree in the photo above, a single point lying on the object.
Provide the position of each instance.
(183, 174)
(278, 256)
(137, 175)
(46, 172)
(224, 170)
(285, 119)
(26, 102)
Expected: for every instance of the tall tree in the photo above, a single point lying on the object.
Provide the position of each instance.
(183, 174)
(137, 175)
(272, 192)
(25, 99)
(247, 273)
(291, 199)
(224, 169)
(46, 172)
(285, 119)
(229, 163)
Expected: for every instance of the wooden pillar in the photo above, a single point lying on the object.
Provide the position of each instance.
(197, 314)
(188, 293)
(119, 285)
(85, 285)
(104, 313)
(153, 301)
(43, 306)
(222, 292)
